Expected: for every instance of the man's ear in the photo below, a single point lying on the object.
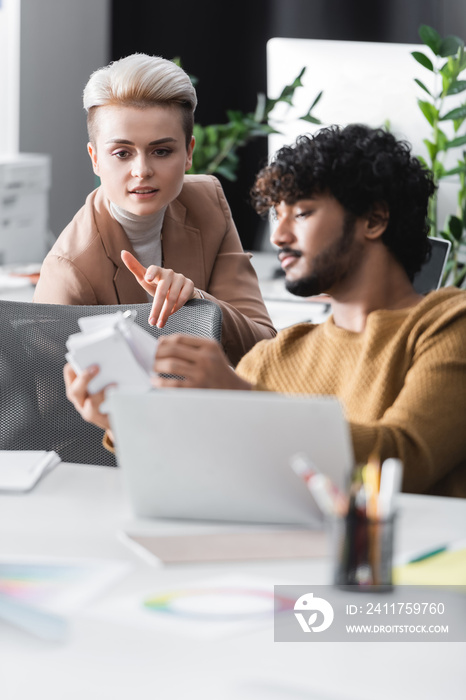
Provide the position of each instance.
(93, 156)
(377, 220)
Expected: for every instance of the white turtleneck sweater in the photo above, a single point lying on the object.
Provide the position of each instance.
(144, 233)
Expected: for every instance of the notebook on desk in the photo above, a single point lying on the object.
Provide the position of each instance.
(225, 456)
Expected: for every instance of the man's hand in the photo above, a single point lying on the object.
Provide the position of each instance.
(87, 405)
(171, 290)
(201, 362)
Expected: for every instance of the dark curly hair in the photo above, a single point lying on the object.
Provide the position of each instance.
(360, 167)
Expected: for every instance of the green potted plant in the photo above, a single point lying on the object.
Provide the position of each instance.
(217, 145)
(446, 60)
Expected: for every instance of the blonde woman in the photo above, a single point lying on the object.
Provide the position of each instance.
(150, 230)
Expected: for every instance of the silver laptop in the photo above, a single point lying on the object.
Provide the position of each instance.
(225, 455)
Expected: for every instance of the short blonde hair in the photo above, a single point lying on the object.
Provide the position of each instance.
(141, 81)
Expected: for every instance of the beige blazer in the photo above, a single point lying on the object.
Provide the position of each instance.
(199, 239)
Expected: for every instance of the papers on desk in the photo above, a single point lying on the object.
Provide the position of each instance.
(213, 608)
(203, 609)
(441, 566)
(20, 470)
(37, 594)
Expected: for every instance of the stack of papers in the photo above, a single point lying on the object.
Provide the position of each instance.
(246, 545)
(20, 470)
(123, 351)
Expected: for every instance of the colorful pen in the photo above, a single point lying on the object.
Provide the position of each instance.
(429, 554)
(328, 497)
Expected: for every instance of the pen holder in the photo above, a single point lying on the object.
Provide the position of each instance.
(364, 551)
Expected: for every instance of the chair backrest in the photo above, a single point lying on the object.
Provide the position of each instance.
(34, 411)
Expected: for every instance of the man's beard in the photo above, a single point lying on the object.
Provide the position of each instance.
(332, 265)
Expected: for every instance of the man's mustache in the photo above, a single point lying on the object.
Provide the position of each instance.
(283, 252)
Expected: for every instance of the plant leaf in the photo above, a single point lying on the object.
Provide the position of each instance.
(461, 60)
(198, 133)
(315, 101)
(423, 60)
(430, 37)
(217, 144)
(441, 140)
(444, 234)
(455, 227)
(446, 72)
(439, 170)
(457, 123)
(431, 149)
(454, 143)
(422, 86)
(458, 113)
(456, 171)
(429, 111)
(260, 114)
(448, 237)
(227, 172)
(287, 93)
(459, 279)
(310, 119)
(308, 116)
(450, 46)
(263, 130)
(456, 87)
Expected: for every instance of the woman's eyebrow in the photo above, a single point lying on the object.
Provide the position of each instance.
(157, 142)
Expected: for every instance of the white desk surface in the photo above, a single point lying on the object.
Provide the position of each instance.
(76, 511)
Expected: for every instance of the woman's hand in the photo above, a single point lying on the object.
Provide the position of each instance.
(171, 290)
(201, 362)
(87, 405)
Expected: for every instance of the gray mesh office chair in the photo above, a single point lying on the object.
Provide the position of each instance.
(34, 411)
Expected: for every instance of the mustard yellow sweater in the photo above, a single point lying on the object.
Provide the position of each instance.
(402, 383)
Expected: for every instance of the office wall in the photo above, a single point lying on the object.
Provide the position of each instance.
(62, 42)
(224, 47)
